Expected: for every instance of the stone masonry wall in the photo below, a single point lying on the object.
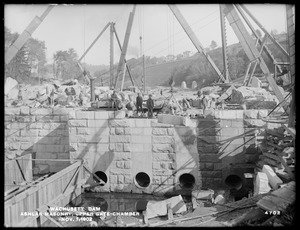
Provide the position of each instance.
(43, 132)
(121, 148)
(228, 139)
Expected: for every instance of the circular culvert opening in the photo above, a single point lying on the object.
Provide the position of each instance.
(234, 181)
(142, 179)
(187, 180)
(141, 205)
(102, 176)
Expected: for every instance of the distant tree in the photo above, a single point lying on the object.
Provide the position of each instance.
(65, 64)
(37, 55)
(19, 67)
(213, 45)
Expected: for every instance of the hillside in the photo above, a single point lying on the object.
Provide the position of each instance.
(193, 68)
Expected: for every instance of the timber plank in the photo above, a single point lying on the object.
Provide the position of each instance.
(273, 203)
(290, 130)
(279, 199)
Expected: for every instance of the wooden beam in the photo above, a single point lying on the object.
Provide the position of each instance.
(75, 174)
(125, 45)
(195, 40)
(54, 221)
(93, 43)
(250, 48)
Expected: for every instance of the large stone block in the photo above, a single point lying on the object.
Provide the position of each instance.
(261, 184)
(228, 114)
(237, 123)
(231, 132)
(120, 139)
(160, 131)
(12, 111)
(77, 123)
(164, 148)
(163, 156)
(121, 156)
(113, 179)
(41, 111)
(274, 180)
(119, 123)
(171, 131)
(141, 139)
(154, 123)
(136, 147)
(170, 119)
(62, 111)
(251, 114)
(97, 123)
(90, 115)
(254, 123)
(104, 115)
(163, 140)
(142, 123)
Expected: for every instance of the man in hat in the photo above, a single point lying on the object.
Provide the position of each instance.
(150, 106)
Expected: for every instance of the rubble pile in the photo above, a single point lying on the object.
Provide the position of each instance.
(278, 151)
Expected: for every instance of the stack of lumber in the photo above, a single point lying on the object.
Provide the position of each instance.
(278, 151)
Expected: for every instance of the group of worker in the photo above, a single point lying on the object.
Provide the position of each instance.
(115, 102)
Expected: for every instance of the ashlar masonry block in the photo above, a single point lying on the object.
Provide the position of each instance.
(163, 140)
(77, 123)
(274, 180)
(159, 131)
(141, 139)
(89, 115)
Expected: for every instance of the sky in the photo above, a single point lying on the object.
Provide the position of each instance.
(76, 26)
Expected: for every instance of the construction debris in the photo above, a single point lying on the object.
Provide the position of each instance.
(159, 208)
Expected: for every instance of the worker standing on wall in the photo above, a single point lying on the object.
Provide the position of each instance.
(150, 106)
(139, 103)
(114, 98)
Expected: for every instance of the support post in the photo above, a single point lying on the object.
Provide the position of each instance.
(255, 64)
(123, 78)
(111, 62)
(144, 75)
(250, 48)
(119, 43)
(125, 45)
(224, 45)
(92, 85)
(264, 30)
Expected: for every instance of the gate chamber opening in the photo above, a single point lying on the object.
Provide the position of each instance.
(102, 176)
(187, 180)
(234, 181)
(142, 179)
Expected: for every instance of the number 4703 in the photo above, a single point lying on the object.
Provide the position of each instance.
(272, 212)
